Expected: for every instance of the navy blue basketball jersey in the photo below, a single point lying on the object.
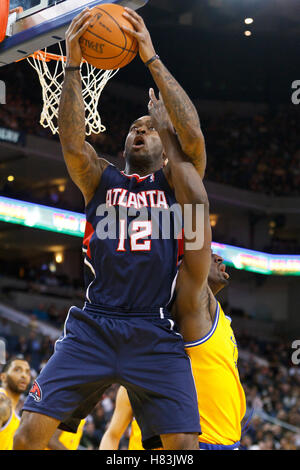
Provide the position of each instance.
(131, 254)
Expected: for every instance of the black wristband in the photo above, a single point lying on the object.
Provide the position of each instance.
(155, 57)
(70, 69)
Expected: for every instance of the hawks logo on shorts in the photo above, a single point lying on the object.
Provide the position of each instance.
(35, 392)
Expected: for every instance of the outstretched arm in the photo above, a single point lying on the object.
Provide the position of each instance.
(189, 191)
(180, 108)
(120, 420)
(84, 166)
(191, 287)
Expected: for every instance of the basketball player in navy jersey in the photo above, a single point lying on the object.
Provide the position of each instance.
(124, 333)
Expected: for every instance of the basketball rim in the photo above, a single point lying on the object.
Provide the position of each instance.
(4, 12)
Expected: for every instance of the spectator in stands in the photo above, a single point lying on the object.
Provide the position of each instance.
(288, 442)
(89, 439)
(5, 328)
(40, 312)
(21, 345)
(100, 421)
(33, 350)
(46, 349)
(53, 314)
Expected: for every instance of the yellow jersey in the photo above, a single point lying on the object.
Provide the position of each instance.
(221, 398)
(70, 440)
(8, 430)
(135, 440)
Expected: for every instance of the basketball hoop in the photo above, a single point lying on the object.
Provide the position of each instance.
(4, 12)
(93, 82)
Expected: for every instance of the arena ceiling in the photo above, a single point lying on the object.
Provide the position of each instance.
(270, 16)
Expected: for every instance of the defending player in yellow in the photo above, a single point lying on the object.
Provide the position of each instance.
(15, 378)
(209, 339)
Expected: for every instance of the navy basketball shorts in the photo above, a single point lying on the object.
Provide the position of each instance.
(100, 348)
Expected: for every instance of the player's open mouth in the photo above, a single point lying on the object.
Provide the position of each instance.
(138, 143)
(222, 268)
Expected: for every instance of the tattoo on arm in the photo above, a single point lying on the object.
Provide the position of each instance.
(71, 118)
(84, 166)
(183, 114)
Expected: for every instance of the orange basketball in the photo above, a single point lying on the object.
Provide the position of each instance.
(105, 45)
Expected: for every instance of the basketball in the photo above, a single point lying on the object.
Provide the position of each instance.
(105, 45)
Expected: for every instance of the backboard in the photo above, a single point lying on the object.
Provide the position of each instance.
(43, 23)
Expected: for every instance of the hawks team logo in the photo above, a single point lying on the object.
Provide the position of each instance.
(35, 392)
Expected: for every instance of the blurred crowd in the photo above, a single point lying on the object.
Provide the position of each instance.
(21, 114)
(260, 153)
(272, 387)
(277, 246)
(50, 293)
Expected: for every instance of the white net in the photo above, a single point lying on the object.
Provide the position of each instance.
(52, 78)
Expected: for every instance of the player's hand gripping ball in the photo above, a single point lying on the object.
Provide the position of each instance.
(105, 44)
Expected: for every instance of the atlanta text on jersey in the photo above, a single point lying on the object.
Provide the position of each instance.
(123, 197)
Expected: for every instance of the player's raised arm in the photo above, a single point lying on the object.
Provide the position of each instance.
(181, 110)
(84, 166)
(120, 420)
(189, 191)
